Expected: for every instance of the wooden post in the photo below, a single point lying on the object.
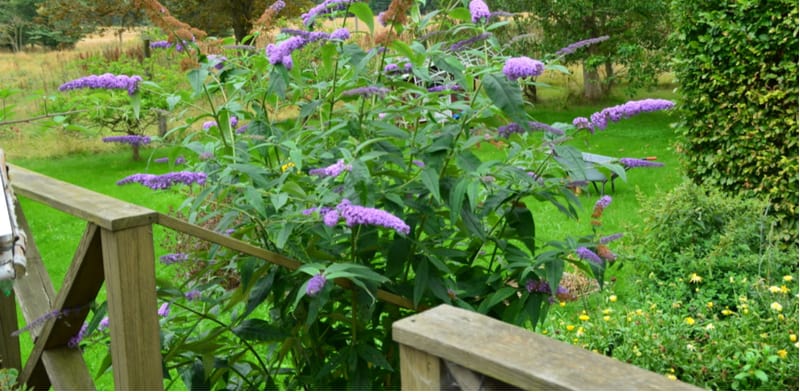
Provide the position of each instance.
(9, 345)
(129, 266)
(419, 371)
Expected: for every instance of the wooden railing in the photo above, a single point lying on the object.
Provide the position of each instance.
(446, 348)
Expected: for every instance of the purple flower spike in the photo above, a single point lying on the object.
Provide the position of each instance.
(418, 163)
(104, 81)
(133, 140)
(192, 295)
(444, 87)
(277, 6)
(583, 123)
(340, 34)
(366, 91)
(522, 67)
(463, 44)
(603, 202)
(163, 311)
(161, 160)
(173, 258)
(512, 128)
(613, 237)
(165, 181)
(587, 254)
(76, 340)
(160, 45)
(631, 108)
(323, 8)
(104, 323)
(315, 285)
(571, 48)
(332, 170)
(479, 11)
(282, 52)
(358, 215)
(208, 124)
(634, 162)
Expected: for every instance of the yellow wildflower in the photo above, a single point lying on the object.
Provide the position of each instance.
(787, 278)
(570, 327)
(780, 316)
(672, 377)
(544, 332)
(606, 318)
(689, 320)
(710, 305)
(776, 307)
(727, 312)
(782, 353)
(287, 166)
(580, 331)
(792, 338)
(607, 311)
(784, 289)
(774, 289)
(612, 298)
(695, 278)
(583, 317)
(639, 312)
(653, 306)
(742, 299)
(562, 304)
(709, 327)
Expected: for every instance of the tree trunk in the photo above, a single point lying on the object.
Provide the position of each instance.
(609, 81)
(592, 86)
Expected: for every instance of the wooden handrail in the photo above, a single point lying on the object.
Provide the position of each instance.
(510, 354)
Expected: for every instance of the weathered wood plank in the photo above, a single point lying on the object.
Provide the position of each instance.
(104, 211)
(520, 357)
(81, 285)
(9, 345)
(419, 371)
(129, 266)
(272, 257)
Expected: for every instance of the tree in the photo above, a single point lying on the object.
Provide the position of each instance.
(16, 16)
(637, 31)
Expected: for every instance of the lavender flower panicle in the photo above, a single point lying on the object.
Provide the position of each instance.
(163, 310)
(332, 170)
(76, 340)
(635, 162)
(512, 128)
(161, 160)
(418, 163)
(208, 124)
(192, 295)
(609, 238)
(160, 44)
(340, 34)
(165, 181)
(172, 258)
(444, 87)
(359, 215)
(104, 81)
(479, 11)
(587, 254)
(277, 6)
(463, 44)
(571, 48)
(315, 285)
(366, 91)
(599, 120)
(323, 8)
(282, 52)
(603, 202)
(133, 140)
(104, 324)
(522, 67)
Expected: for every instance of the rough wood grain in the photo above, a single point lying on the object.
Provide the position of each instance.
(104, 211)
(518, 356)
(129, 267)
(9, 345)
(419, 371)
(81, 285)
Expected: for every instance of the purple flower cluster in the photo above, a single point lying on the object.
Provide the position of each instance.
(76, 340)
(571, 48)
(444, 87)
(172, 258)
(340, 34)
(512, 128)
(218, 62)
(323, 8)
(332, 170)
(418, 163)
(599, 120)
(613, 237)
(392, 68)
(543, 287)
(360, 215)
(165, 181)
(588, 254)
(468, 42)
(160, 44)
(104, 324)
(634, 162)
(603, 202)
(192, 295)
(315, 284)
(366, 91)
(104, 81)
(282, 52)
(133, 140)
(163, 310)
(479, 11)
(522, 67)
(277, 6)
(211, 123)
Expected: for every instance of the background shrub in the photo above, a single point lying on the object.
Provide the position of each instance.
(737, 67)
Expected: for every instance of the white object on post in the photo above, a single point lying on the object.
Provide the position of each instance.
(12, 240)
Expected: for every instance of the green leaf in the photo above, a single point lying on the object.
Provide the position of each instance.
(373, 356)
(456, 200)
(136, 103)
(364, 13)
(279, 200)
(420, 280)
(520, 219)
(283, 235)
(495, 298)
(430, 178)
(197, 78)
(259, 330)
(761, 375)
(507, 96)
(461, 14)
(259, 292)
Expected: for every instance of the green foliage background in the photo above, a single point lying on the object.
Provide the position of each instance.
(737, 67)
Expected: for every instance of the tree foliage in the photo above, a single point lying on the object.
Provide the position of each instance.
(737, 68)
(637, 30)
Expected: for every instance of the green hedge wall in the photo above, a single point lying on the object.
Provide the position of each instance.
(736, 64)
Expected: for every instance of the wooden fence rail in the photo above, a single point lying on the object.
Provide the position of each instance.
(448, 348)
